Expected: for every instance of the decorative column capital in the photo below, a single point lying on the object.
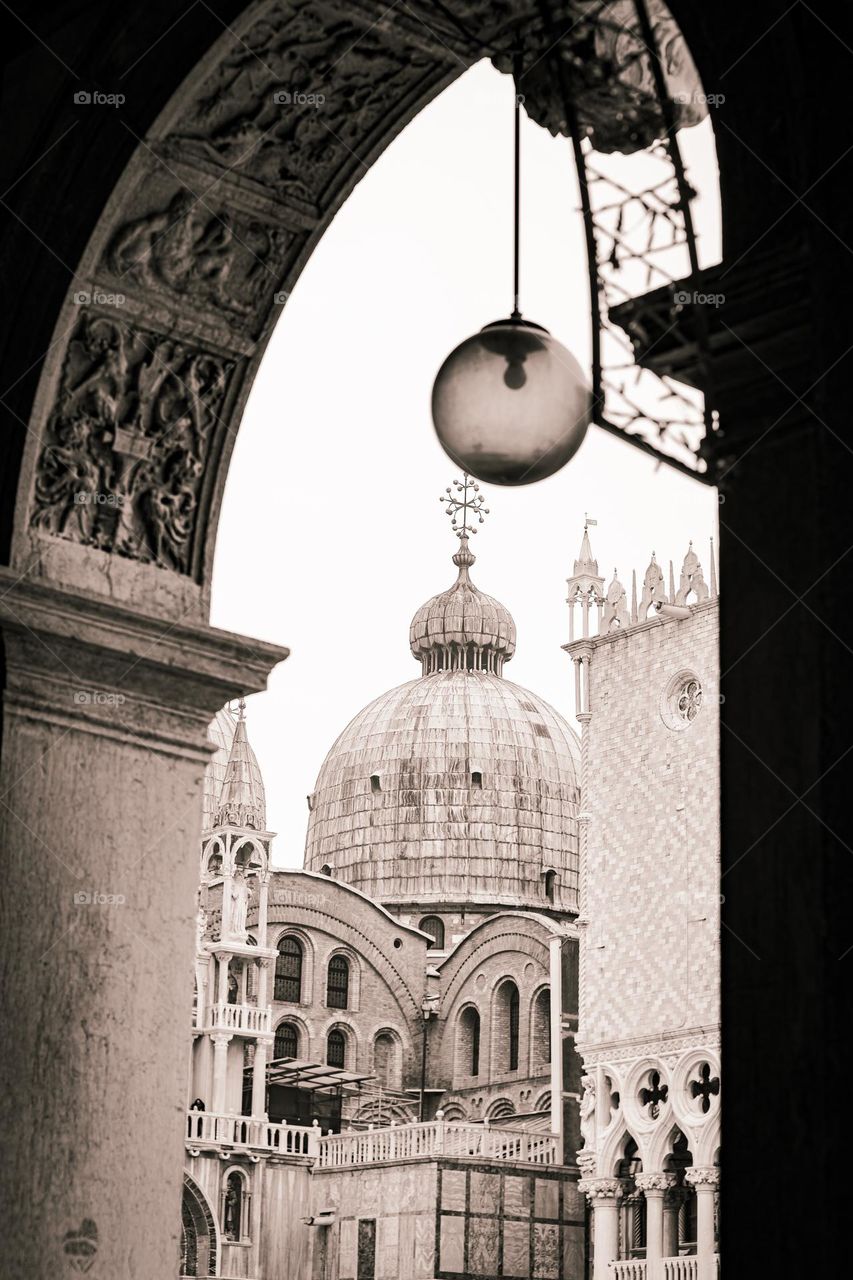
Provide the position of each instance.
(655, 1183)
(602, 1190)
(702, 1177)
(221, 1037)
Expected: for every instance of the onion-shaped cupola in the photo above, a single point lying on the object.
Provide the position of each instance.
(462, 629)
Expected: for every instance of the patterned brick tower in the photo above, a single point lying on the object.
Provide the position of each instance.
(647, 701)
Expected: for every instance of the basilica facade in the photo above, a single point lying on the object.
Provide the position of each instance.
(477, 1034)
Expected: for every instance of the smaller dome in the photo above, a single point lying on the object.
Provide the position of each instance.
(462, 628)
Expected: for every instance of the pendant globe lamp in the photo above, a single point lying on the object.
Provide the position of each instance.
(510, 404)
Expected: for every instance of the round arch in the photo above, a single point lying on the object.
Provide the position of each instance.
(200, 1241)
(182, 348)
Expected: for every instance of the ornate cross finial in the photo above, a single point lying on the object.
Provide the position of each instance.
(241, 709)
(465, 506)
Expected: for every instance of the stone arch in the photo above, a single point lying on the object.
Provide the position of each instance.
(506, 1049)
(539, 1033)
(200, 1243)
(467, 1043)
(500, 1109)
(387, 1051)
(209, 328)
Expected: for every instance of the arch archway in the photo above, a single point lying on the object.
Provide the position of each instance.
(178, 360)
(199, 1232)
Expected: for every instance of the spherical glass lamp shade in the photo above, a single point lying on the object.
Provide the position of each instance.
(511, 405)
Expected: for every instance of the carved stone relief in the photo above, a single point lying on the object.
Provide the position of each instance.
(198, 252)
(297, 98)
(125, 449)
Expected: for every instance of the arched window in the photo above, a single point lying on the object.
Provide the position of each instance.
(386, 1065)
(541, 1029)
(434, 926)
(513, 1028)
(468, 1043)
(550, 878)
(236, 1215)
(336, 1048)
(337, 983)
(288, 971)
(286, 1041)
(505, 1027)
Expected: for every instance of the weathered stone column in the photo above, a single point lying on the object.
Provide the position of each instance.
(104, 748)
(259, 1079)
(221, 1041)
(654, 1186)
(706, 1181)
(604, 1195)
(672, 1202)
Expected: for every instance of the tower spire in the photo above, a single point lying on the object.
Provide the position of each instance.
(586, 585)
(242, 800)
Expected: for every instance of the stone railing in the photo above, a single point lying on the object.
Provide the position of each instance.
(436, 1138)
(628, 1269)
(686, 1268)
(251, 1018)
(206, 1129)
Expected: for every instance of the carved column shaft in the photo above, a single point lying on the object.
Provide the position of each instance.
(104, 748)
(706, 1182)
(604, 1195)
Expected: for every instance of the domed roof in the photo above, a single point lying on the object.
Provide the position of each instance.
(462, 628)
(456, 787)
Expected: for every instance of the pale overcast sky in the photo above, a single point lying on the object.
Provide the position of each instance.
(332, 534)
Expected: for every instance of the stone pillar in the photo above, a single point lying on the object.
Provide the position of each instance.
(604, 1195)
(654, 1186)
(223, 958)
(221, 1041)
(263, 908)
(105, 715)
(672, 1202)
(259, 1079)
(706, 1181)
(555, 953)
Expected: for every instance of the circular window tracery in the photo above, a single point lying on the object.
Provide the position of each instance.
(682, 700)
(689, 700)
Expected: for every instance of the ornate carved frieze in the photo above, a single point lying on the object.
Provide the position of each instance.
(126, 446)
(299, 96)
(200, 252)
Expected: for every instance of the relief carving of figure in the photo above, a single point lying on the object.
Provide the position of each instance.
(188, 247)
(124, 452)
(587, 1113)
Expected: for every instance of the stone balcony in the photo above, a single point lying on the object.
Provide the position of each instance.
(240, 1019)
(207, 1131)
(437, 1138)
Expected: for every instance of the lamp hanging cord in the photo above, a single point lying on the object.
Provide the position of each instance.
(516, 75)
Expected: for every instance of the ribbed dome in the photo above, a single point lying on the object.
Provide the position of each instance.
(456, 787)
(462, 628)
